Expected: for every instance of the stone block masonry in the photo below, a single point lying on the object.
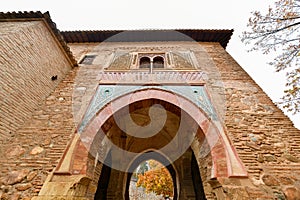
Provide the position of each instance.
(265, 139)
(36, 148)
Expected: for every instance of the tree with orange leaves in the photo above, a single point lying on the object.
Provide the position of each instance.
(157, 180)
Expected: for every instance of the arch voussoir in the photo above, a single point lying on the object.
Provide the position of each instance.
(224, 158)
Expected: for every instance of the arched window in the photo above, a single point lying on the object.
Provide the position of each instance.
(158, 62)
(145, 62)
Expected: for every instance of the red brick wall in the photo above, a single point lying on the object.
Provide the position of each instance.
(265, 139)
(29, 57)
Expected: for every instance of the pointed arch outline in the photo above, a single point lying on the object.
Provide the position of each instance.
(223, 153)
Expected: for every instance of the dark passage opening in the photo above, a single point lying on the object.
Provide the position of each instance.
(197, 181)
(103, 182)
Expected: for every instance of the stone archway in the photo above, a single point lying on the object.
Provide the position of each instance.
(154, 143)
(223, 149)
(80, 161)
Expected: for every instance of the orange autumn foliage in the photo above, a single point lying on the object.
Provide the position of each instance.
(157, 180)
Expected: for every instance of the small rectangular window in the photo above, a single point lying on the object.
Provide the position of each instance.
(88, 60)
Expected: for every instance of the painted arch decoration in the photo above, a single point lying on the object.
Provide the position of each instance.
(107, 93)
(194, 101)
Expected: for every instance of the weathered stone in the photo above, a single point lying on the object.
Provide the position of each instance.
(47, 141)
(2, 180)
(270, 180)
(266, 147)
(15, 152)
(237, 120)
(252, 145)
(291, 157)
(270, 158)
(36, 150)
(31, 175)
(6, 188)
(15, 196)
(4, 196)
(236, 192)
(23, 186)
(256, 182)
(257, 194)
(51, 98)
(260, 158)
(16, 176)
(26, 198)
(286, 180)
(54, 136)
(291, 193)
(279, 145)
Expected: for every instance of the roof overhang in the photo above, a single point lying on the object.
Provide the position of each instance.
(198, 35)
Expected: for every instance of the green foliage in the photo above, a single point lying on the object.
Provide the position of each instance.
(278, 30)
(143, 167)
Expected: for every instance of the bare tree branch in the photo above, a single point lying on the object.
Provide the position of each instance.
(279, 29)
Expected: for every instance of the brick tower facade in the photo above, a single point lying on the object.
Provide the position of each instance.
(71, 101)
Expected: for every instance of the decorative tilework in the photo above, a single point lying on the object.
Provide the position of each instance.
(107, 93)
